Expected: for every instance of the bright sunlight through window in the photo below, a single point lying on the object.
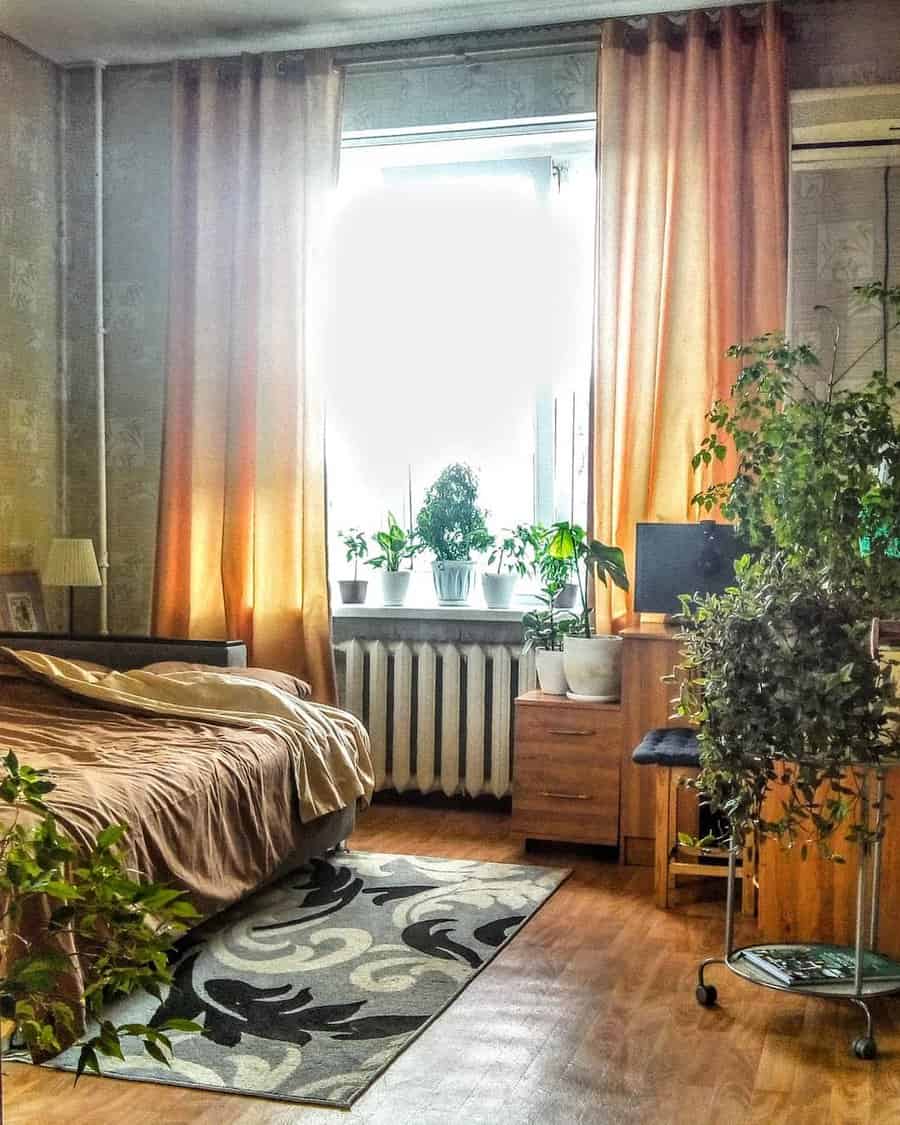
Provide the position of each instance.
(460, 327)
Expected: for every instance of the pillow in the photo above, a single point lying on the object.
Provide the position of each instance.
(283, 680)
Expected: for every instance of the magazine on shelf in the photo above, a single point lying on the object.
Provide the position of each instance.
(818, 964)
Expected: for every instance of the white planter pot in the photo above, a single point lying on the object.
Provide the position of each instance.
(498, 589)
(593, 667)
(394, 586)
(453, 581)
(550, 674)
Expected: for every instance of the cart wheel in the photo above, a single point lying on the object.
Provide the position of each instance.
(864, 1047)
(706, 995)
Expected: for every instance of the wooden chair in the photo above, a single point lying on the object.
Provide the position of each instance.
(674, 753)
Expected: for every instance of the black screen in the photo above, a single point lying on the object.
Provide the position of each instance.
(682, 558)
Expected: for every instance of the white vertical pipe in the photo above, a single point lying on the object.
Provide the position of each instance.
(62, 236)
(102, 514)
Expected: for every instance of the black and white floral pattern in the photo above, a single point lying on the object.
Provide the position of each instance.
(310, 988)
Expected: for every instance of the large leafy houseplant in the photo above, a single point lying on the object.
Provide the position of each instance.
(818, 472)
(122, 927)
(778, 674)
(779, 677)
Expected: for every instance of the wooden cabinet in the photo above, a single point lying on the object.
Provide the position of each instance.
(814, 899)
(566, 774)
(650, 652)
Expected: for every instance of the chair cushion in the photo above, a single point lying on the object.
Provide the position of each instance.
(668, 746)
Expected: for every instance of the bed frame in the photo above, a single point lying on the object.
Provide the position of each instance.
(123, 653)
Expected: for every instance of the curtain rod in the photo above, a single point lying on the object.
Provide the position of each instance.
(548, 39)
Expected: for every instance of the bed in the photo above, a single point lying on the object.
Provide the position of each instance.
(224, 776)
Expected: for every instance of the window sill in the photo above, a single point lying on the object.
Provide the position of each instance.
(429, 613)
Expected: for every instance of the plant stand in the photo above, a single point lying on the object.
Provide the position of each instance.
(861, 989)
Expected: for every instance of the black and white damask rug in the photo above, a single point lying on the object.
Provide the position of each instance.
(310, 988)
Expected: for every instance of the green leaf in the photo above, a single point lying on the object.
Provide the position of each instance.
(177, 1024)
(156, 1052)
(87, 1060)
(111, 835)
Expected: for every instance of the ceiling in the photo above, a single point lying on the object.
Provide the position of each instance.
(119, 31)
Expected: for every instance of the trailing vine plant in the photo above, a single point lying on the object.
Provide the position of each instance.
(122, 928)
(778, 675)
(817, 473)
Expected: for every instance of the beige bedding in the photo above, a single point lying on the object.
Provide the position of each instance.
(213, 774)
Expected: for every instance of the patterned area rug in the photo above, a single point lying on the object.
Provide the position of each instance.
(310, 988)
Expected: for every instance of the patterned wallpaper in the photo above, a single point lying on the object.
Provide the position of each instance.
(844, 42)
(477, 91)
(30, 404)
(837, 241)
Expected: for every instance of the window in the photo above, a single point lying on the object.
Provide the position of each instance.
(461, 321)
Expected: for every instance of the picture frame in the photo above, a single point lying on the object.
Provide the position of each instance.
(22, 603)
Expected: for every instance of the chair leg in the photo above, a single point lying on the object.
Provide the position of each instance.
(663, 843)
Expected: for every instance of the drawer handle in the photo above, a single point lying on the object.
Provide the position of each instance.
(573, 733)
(567, 796)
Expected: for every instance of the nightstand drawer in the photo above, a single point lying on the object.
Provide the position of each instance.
(578, 729)
(567, 806)
(566, 771)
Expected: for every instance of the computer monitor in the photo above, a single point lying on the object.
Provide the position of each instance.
(682, 558)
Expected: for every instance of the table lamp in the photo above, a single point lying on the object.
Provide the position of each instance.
(71, 563)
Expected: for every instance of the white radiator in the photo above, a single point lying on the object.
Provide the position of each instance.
(440, 716)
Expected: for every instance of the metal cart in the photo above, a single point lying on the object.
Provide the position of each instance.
(860, 990)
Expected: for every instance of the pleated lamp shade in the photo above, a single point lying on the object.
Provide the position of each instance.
(71, 562)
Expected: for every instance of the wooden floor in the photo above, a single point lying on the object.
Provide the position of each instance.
(587, 1016)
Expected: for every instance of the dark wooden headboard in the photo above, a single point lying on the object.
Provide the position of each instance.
(123, 653)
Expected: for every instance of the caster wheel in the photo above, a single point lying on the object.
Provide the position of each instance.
(864, 1048)
(706, 995)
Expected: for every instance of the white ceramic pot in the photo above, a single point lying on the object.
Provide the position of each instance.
(593, 667)
(550, 674)
(453, 581)
(353, 591)
(498, 589)
(394, 586)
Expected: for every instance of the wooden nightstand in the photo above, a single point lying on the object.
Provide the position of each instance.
(566, 772)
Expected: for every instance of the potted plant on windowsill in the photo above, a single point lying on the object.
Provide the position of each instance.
(544, 631)
(353, 590)
(511, 557)
(593, 663)
(452, 526)
(397, 545)
(556, 572)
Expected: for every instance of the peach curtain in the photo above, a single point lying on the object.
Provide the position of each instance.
(691, 250)
(241, 549)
